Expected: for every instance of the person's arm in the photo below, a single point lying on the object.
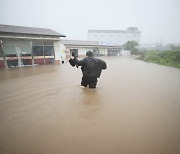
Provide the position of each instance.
(79, 62)
(103, 64)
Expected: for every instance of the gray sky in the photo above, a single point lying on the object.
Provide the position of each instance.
(158, 20)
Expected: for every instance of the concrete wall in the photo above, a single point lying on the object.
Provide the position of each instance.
(59, 49)
(82, 51)
(126, 52)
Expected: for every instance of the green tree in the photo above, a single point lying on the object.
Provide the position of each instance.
(131, 45)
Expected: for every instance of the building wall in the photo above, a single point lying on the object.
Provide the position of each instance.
(97, 50)
(114, 36)
(20, 52)
(81, 51)
(57, 50)
(126, 52)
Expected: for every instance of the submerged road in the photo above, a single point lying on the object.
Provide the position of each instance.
(134, 110)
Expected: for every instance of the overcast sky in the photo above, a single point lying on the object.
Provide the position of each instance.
(158, 20)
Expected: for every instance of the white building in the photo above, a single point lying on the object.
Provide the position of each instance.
(113, 37)
(79, 48)
(126, 52)
(28, 46)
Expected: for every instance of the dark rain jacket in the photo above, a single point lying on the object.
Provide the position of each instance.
(91, 67)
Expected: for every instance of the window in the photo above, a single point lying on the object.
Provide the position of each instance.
(48, 51)
(74, 51)
(96, 52)
(48, 48)
(37, 43)
(48, 43)
(43, 48)
(25, 48)
(9, 49)
(38, 50)
(1, 53)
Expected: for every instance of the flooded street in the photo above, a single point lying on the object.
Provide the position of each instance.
(134, 109)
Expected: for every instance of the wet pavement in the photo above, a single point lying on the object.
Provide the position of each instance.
(134, 109)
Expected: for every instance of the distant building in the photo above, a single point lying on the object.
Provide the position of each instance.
(119, 37)
(25, 46)
(81, 47)
(126, 52)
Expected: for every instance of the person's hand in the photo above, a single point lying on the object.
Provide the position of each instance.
(72, 62)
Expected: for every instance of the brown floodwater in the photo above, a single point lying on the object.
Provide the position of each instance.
(135, 109)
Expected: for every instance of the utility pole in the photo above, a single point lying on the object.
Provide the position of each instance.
(32, 53)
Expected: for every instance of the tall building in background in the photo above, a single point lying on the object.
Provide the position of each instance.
(119, 37)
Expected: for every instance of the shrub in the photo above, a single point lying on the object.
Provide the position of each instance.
(169, 58)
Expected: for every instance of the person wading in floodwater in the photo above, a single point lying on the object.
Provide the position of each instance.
(91, 69)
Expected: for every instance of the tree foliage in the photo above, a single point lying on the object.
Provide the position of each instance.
(131, 45)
